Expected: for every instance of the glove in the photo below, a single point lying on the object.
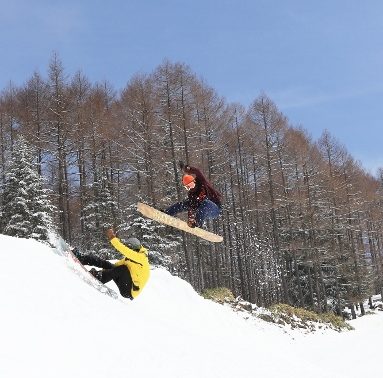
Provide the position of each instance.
(191, 223)
(110, 234)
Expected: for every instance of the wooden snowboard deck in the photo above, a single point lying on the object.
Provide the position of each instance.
(161, 217)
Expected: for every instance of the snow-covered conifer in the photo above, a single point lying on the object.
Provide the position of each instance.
(161, 241)
(26, 208)
(99, 215)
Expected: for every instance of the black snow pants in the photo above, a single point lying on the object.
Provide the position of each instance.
(122, 278)
(119, 274)
(93, 260)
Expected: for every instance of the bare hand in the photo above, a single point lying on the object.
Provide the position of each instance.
(110, 234)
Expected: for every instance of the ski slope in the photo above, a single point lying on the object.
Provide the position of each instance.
(53, 325)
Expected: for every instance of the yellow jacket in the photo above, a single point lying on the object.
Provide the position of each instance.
(136, 262)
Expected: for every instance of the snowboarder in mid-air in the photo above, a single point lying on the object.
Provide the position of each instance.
(203, 202)
(130, 273)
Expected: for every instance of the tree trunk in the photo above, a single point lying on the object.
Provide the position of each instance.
(352, 308)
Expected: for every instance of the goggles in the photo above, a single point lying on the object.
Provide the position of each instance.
(187, 187)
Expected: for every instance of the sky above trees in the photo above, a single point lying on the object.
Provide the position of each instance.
(320, 62)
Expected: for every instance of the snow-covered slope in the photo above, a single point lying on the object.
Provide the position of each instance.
(52, 324)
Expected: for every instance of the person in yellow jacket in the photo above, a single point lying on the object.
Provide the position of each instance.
(130, 273)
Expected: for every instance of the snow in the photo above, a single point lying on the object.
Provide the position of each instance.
(53, 324)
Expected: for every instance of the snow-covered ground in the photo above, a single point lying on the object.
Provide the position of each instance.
(53, 325)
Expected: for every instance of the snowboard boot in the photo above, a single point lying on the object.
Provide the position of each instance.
(96, 273)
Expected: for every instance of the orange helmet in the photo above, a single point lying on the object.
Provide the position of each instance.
(187, 179)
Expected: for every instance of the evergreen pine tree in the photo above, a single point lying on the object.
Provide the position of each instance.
(99, 215)
(161, 241)
(26, 209)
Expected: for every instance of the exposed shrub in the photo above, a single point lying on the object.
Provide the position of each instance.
(286, 313)
(218, 294)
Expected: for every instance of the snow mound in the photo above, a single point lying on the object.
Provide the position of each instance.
(52, 324)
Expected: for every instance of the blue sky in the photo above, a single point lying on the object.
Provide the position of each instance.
(320, 62)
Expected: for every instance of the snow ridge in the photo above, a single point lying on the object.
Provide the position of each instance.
(54, 325)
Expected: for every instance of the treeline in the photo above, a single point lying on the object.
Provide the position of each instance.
(302, 220)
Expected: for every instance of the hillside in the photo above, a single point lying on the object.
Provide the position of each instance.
(52, 324)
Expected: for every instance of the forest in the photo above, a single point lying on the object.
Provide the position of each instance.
(302, 221)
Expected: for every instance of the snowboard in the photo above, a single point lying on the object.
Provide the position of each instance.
(90, 279)
(164, 218)
(80, 270)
